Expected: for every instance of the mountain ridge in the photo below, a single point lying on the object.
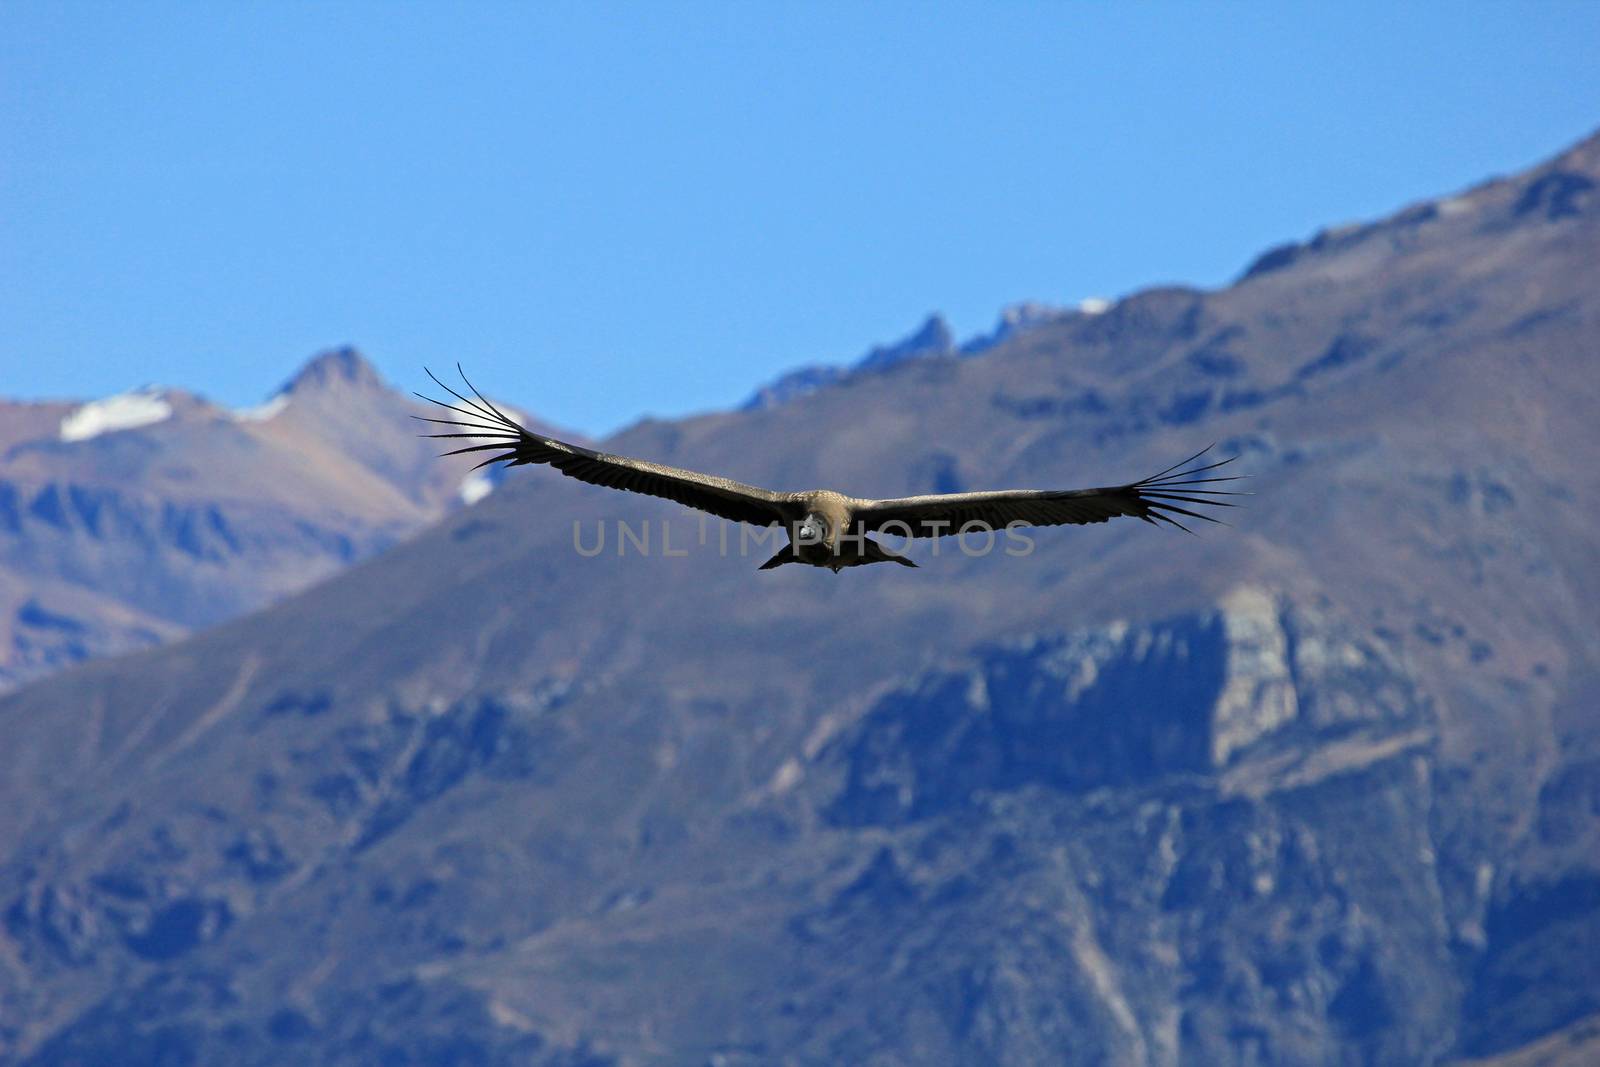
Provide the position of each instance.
(161, 506)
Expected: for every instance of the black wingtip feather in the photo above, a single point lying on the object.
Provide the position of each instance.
(480, 418)
(1175, 466)
(481, 412)
(1170, 521)
(1160, 494)
(489, 403)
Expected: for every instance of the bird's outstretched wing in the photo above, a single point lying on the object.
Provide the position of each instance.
(515, 444)
(1154, 499)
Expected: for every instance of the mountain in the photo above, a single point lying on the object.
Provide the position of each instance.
(932, 338)
(1026, 315)
(1317, 788)
(128, 521)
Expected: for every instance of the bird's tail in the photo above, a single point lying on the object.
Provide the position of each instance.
(876, 553)
(785, 555)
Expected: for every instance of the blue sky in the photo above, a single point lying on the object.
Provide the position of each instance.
(612, 210)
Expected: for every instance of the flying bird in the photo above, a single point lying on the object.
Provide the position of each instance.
(828, 529)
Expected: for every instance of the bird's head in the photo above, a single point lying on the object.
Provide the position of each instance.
(813, 530)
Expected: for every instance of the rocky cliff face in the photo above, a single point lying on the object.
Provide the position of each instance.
(1240, 861)
(1317, 788)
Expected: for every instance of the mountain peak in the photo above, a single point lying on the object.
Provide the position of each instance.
(932, 338)
(1584, 155)
(1017, 318)
(341, 367)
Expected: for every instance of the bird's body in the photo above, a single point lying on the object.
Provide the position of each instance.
(826, 533)
(826, 528)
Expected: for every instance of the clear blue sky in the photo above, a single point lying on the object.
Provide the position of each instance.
(609, 210)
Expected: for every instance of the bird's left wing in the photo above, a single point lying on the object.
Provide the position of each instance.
(1154, 499)
(515, 444)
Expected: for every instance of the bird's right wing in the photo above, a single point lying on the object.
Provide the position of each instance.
(1154, 499)
(515, 444)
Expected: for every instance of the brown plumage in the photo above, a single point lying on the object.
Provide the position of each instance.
(828, 529)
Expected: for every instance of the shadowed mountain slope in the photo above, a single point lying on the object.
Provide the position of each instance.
(1317, 788)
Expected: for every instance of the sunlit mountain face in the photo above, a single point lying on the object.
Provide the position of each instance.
(1318, 787)
(130, 520)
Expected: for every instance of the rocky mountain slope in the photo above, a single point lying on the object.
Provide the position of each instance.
(1319, 788)
(128, 521)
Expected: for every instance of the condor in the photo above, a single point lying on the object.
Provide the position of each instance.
(828, 529)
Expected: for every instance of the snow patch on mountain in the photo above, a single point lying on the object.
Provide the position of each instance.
(262, 412)
(125, 411)
(475, 487)
(1014, 319)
